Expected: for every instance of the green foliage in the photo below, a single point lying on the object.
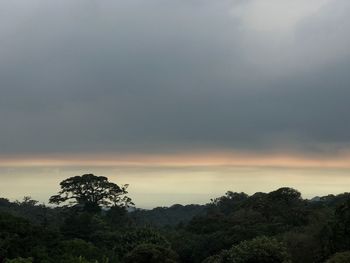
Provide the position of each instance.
(342, 226)
(77, 248)
(18, 237)
(19, 260)
(83, 225)
(233, 228)
(150, 253)
(138, 236)
(118, 217)
(167, 216)
(304, 245)
(343, 257)
(30, 209)
(258, 250)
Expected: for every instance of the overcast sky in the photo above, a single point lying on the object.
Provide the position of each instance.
(153, 76)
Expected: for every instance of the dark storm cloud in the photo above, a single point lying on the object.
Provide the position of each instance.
(78, 76)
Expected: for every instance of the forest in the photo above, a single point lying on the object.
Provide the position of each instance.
(92, 220)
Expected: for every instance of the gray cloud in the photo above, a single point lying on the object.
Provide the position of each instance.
(97, 76)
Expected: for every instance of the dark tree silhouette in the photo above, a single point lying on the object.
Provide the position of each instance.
(91, 192)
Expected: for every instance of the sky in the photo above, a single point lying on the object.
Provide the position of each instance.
(157, 92)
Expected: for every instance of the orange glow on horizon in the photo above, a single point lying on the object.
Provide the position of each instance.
(186, 159)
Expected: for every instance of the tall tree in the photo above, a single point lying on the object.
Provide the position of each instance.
(91, 192)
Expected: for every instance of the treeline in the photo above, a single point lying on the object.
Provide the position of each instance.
(96, 224)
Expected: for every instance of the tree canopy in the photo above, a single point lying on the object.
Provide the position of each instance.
(275, 227)
(91, 192)
(343, 257)
(258, 250)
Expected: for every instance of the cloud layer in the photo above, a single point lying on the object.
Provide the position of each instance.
(155, 76)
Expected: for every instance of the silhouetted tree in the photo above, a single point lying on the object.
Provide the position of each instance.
(27, 201)
(91, 192)
(228, 203)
